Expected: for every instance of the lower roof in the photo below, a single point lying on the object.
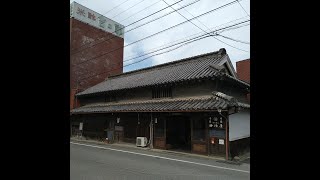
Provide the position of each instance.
(200, 103)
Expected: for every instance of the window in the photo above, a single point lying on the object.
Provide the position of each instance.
(161, 92)
(159, 128)
(199, 130)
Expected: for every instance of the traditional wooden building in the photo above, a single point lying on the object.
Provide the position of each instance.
(186, 105)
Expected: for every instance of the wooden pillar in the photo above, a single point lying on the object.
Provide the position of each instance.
(137, 125)
(207, 134)
(191, 121)
(165, 132)
(227, 138)
(151, 131)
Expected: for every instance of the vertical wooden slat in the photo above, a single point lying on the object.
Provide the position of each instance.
(151, 131)
(227, 138)
(165, 132)
(157, 92)
(207, 134)
(191, 121)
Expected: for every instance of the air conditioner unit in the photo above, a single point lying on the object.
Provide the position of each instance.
(142, 141)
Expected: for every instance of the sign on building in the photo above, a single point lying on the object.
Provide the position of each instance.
(221, 141)
(95, 19)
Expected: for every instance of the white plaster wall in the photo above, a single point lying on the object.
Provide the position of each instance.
(239, 125)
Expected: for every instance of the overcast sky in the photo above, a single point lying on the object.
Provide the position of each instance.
(206, 45)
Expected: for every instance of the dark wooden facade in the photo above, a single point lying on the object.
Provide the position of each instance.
(190, 130)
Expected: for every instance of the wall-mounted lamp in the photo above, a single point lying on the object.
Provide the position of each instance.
(155, 120)
(118, 120)
(219, 110)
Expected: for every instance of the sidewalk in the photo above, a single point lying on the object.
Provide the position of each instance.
(184, 154)
(245, 158)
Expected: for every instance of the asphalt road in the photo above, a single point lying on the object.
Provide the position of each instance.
(119, 163)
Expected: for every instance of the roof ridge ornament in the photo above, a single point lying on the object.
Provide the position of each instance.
(222, 52)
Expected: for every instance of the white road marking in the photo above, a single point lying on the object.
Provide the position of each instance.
(219, 167)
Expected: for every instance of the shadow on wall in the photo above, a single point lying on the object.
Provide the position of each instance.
(239, 147)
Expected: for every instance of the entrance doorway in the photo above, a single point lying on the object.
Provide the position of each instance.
(178, 133)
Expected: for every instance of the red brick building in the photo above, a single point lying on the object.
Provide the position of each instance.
(243, 70)
(92, 37)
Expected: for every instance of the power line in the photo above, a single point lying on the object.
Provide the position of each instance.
(185, 17)
(116, 6)
(188, 20)
(136, 28)
(225, 5)
(161, 16)
(156, 12)
(196, 34)
(163, 48)
(127, 25)
(221, 30)
(204, 25)
(160, 49)
(236, 40)
(192, 16)
(230, 45)
(139, 11)
(243, 9)
(103, 40)
(153, 20)
(146, 58)
(186, 42)
(197, 39)
(128, 8)
(234, 26)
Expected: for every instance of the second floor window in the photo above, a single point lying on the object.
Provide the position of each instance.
(161, 92)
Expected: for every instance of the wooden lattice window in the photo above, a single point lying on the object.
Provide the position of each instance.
(162, 92)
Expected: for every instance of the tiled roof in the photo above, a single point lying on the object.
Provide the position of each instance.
(197, 67)
(164, 105)
(231, 100)
(237, 80)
